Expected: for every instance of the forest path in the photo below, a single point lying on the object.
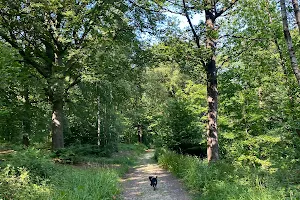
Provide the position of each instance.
(136, 184)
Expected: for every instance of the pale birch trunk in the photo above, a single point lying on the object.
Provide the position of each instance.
(98, 121)
(289, 42)
(297, 13)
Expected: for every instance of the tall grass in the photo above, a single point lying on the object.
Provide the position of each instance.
(78, 184)
(222, 180)
(31, 174)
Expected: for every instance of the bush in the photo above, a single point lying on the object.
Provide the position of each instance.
(15, 183)
(37, 162)
(73, 154)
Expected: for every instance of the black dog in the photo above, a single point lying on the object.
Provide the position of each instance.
(153, 181)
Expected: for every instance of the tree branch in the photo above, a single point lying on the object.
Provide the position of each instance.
(197, 40)
(246, 38)
(86, 31)
(75, 82)
(26, 58)
(156, 11)
(191, 25)
(218, 14)
(232, 56)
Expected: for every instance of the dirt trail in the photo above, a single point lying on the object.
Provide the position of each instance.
(136, 184)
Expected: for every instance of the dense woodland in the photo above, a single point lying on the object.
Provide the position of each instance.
(212, 85)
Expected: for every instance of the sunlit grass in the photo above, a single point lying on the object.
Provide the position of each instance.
(224, 181)
(32, 174)
(78, 184)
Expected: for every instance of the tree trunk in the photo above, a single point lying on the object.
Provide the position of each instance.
(211, 32)
(110, 116)
(289, 42)
(212, 99)
(57, 99)
(297, 13)
(57, 124)
(98, 121)
(105, 124)
(281, 56)
(284, 68)
(140, 133)
(212, 92)
(26, 119)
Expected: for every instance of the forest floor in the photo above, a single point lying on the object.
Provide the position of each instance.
(136, 184)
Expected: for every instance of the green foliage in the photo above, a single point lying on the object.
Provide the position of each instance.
(74, 153)
(176, 119)
(31, 174)
(120, 161)
(223, 180)
(35, 161)
(85, 184)
(19, 89)
(180, 133)
(16, 183)
(62, 44)
(257, 115)
(64, 183)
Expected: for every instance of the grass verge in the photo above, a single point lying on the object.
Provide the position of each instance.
(32, 174)
(225, 181)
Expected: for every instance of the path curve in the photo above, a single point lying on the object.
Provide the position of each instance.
(136, 184)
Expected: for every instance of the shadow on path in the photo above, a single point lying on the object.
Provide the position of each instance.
(136, 184)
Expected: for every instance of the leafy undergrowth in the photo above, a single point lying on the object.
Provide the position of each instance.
(227, 181)
(33, 174)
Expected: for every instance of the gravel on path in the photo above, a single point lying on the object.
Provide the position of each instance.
(136, 184)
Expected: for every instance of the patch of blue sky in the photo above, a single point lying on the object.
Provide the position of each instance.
(179, 19)
(183, 23)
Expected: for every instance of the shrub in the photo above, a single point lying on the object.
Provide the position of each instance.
(37, 162)
(73, 154)
(15, 183)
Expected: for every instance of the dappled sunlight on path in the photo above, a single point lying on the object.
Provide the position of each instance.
(136, 184)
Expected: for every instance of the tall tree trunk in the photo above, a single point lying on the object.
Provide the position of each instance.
(212, 92)
(211, 14)
(110, 116)
(297, 13)
(57, 124)
(284, 67)
(98, 121)
(281, 56)
(57, 99)
(289, 42)
(105, 124)
(26, 119)
(140, 133)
